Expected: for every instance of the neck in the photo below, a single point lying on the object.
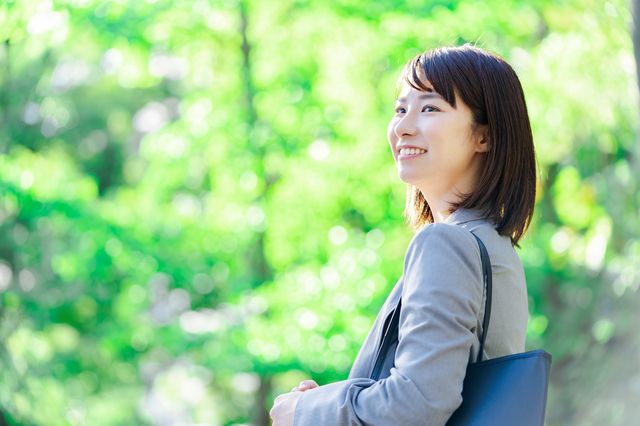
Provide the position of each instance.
(441, 198)
(440, 206)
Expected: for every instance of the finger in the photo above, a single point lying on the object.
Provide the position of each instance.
(309, 384)
(295, 389)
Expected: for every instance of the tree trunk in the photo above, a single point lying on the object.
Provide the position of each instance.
(262, 417)
(635, 35)
(4, 104)
(260, 269)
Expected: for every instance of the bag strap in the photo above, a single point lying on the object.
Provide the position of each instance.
(488, 281)
(390, 334)
(391, 331)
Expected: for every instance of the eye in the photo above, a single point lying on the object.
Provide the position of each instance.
(399, 110)
(429, 108)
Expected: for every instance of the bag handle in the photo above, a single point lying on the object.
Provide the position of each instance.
(391, 331)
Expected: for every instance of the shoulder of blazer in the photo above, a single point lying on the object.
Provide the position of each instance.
(440, 250)
(435, 234)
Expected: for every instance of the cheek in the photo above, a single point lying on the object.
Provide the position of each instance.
(391, 134)
(393, 139)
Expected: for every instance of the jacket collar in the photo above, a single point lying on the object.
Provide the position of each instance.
(461, 216)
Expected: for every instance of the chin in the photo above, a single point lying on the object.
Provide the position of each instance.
(409, 176)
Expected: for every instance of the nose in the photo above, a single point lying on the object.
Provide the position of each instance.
(406, 126)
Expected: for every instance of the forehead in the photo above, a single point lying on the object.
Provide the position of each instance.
(426, 74)
(408, 93)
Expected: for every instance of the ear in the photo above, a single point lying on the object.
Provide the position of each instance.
(483, 138)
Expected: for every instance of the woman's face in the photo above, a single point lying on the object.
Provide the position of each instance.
(436, 147)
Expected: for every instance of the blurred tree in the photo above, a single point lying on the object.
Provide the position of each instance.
(198, 208)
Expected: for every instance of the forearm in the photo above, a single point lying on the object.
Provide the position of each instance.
(364, 402)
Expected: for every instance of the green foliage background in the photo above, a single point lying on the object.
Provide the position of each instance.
(199, 208)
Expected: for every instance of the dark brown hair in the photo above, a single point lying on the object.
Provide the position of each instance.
(488, 85)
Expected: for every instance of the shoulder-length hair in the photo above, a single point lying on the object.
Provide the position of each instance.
(488, 85)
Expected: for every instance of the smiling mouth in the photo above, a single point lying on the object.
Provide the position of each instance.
(412, 151)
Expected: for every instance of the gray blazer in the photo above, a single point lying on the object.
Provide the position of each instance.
(443, 297)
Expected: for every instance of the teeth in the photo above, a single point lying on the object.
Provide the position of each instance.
(412, 151)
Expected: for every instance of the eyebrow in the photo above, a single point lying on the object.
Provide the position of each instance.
(426, 95)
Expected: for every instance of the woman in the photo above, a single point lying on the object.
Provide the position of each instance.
(462, 141)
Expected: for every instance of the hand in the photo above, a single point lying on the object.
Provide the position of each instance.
(305, 385)
(284, 407)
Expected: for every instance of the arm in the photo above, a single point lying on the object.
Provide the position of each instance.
(441, 301)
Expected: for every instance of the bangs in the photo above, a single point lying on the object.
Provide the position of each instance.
(429, 68)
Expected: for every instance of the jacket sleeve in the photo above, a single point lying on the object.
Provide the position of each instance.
(442, 298)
